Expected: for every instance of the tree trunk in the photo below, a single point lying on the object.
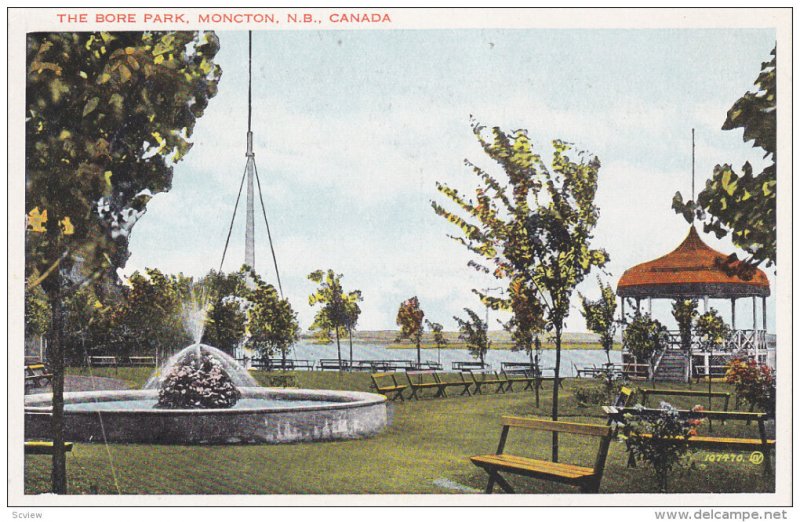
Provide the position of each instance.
(419, 355)
(555, 390)
(56, 362)
(350, 334)
(338, 348)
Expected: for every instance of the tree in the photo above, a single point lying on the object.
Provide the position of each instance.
(438, 338)
(410, 319)
(332, 315)
(272, 322)
(475, 334)
(229, 297)
(225, 324)
(644, 337)
(599, 316)
(685, 311)
(711, 330)
(744, 204)
(107, 116)
(535, 230)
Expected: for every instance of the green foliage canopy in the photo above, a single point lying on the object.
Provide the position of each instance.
(744, 204)
(474, 332)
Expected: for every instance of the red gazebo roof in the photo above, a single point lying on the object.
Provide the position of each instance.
(691, 270)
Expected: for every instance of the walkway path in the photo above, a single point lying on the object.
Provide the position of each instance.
(74, 383)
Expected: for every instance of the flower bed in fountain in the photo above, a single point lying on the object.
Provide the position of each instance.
(199, 382)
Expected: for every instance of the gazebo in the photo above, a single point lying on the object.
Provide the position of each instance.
(695, 271)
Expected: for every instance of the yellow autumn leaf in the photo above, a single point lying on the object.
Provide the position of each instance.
(36, 220)
(66, 226)
(107, 176)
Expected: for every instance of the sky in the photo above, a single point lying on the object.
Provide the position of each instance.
(354, 128)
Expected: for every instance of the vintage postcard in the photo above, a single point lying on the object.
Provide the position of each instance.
(386, 256)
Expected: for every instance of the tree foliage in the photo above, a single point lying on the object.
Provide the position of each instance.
(271, 322)
(711, 330)
(336, 306)
(645, 337)
(532, 229)
(474, 332)
(743, 204)
(685, 312)
(410, 319)
(108, 115)
(599, 316)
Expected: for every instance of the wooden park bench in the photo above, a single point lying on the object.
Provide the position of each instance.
(430, 365)
(587, 479)
(715, 372)
(488, 379)
(333, 364)
(141, 360)
(43, 447)
(585, 371)
(461, 366)
(37, 376)
(635, 371)
(303, 364)
(762, 443)
(645, 394)
(417, 381)
(103, 361)
(379, 382)
(527, 378)
(447, 380)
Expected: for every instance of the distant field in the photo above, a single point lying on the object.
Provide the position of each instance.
(500, 340)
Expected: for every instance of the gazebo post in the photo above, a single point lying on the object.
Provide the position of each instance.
(638, 305)
(705, 304)
(733, 313)
(650, 306)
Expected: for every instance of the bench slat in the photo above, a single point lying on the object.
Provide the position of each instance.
(533, 467)
(557, 426)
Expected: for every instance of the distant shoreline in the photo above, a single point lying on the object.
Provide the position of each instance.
(500, 341)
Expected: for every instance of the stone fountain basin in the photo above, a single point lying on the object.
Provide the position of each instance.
(287, 415)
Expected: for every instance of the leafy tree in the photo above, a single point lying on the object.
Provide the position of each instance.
(225, 325)
(645, 337)
(333, 313)
(599, 316)
(229, 296)
(410, 319)
(711, 330)
(685, 311)
(475, 334)
(151, 314)
(107, 116)
(437, 330)
(534, 230)
(272, 322)
(744, 204)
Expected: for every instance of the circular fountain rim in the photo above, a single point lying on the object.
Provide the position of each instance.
(42, 402)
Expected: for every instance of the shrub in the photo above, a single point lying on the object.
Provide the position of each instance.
(666, 440)
(754, 382)
(591, 395)
(197, 383)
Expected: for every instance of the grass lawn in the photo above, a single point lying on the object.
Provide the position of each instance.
(425, 450)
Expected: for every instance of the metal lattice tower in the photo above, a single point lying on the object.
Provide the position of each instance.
(249, 233)
(251, 173)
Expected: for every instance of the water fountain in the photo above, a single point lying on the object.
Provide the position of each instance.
(261, 415)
